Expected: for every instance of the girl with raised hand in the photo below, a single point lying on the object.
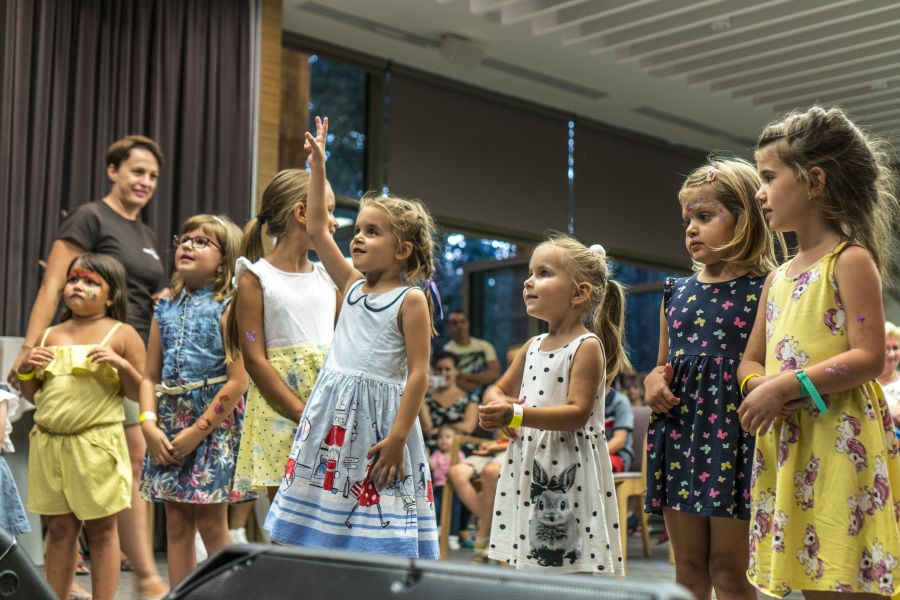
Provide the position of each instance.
(357, 477)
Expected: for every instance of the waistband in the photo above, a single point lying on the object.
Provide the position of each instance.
(177, 390)
(43, 429)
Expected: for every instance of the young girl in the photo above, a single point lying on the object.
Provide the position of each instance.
(282, 325)
(357, 477)
(826, 467)
(555, 505)
(12, 513)
(78, 466)
(698, 459)
(439, 462)
(192, 398)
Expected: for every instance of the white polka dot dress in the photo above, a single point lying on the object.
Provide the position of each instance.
(556, 504)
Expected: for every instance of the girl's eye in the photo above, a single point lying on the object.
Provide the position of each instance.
(705, 217)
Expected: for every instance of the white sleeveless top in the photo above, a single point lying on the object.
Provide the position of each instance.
(299, 308)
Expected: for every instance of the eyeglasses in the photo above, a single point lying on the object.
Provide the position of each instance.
(198, 242)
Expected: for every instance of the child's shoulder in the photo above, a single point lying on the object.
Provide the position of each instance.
(853, 257)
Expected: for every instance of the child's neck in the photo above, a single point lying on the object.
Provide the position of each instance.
(383, 281)
(193, 285)
(86, 320)
(720, 271)
(291, 254)
(568, 327)
(816, 238)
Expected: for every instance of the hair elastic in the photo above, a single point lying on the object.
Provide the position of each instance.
(711, 174)
(744, 382)
(518, 413)
(810, 390)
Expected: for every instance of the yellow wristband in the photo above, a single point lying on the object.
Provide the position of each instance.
(516, 421)
(26, 376)
(746, 379)
(148, 415)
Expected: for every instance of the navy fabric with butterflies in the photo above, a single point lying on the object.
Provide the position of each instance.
(698, 458)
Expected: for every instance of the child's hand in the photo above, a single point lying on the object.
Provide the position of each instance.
(315, 146)
(788, 409)
(658, 393)
(186, 442)
(495, 415)
(158, 445)
(106, 355)
(485, 449)
(390, 461)
(38, 357)
(760, 408)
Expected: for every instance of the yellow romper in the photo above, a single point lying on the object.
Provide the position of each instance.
(78, 459)
(823, 500)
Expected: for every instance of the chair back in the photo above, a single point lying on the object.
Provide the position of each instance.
(639, 436)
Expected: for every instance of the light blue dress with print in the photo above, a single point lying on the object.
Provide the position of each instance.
(327, 498)
(192, 350)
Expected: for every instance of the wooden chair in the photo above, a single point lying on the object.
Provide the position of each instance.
(634, 482)
(447, 498)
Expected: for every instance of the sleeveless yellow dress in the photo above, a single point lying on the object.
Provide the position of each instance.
(823, 509)
(78, 458)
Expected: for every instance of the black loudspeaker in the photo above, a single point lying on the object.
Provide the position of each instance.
(275, 572)
(18, 577)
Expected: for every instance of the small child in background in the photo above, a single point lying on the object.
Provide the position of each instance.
(78, 377)
(12, 513)
(439, 461)
(619, 426)
(192, 397)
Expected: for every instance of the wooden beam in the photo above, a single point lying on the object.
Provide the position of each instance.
(269, 125)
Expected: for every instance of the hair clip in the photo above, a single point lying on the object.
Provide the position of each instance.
(598, 249)
(436, 295)
(711, 174)
(220, 221)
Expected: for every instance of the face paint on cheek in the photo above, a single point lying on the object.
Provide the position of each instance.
(251, 336)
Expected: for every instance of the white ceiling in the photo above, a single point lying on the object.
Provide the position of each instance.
(708, 74)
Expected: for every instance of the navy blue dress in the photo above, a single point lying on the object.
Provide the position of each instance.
(698, 457)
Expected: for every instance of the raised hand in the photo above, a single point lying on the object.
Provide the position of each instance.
(314, 146)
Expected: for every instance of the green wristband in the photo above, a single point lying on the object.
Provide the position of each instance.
(810, 390)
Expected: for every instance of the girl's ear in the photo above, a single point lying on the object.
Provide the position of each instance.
(404, 251)
(817, 177)
(300, 213)
(582, 293)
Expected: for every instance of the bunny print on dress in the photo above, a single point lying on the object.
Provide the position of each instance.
(552, 532)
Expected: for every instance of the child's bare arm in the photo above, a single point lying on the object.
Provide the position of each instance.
(158, 445)
(125, 353)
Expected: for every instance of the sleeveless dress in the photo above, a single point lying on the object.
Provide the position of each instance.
(299, 310)
(555, 505)
(824, 510)
(327, 499)
(191, 336)
(78, 459)
(698, 457)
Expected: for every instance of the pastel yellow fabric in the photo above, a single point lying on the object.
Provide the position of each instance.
(78, 459)
(268, 435)
(824, 485)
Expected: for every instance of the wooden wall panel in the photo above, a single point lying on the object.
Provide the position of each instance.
(269, 95)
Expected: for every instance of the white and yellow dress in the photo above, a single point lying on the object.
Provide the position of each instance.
(299, 312)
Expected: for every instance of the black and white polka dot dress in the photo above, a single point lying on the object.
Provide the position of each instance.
(556, 504)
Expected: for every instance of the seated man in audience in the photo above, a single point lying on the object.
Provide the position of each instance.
(619, 426)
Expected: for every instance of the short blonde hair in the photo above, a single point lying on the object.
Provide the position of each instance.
(734, 182)
(225, 233)
(891, 330)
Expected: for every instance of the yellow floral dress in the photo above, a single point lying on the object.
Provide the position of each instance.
(824, 516)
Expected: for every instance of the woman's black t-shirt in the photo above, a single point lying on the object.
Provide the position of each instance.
(98, 228)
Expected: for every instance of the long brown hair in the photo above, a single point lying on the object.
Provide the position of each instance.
(113, 273)
(606, 305)
(286, 190)
(859, 187)
(734, 182)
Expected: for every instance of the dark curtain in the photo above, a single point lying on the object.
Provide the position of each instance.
(75, 75)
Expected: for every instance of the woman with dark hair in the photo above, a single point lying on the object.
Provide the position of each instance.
(112, 226)
(445, 402)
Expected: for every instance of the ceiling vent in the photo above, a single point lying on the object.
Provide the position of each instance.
(460, 51)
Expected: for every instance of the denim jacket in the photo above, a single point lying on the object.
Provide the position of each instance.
(191, 335)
